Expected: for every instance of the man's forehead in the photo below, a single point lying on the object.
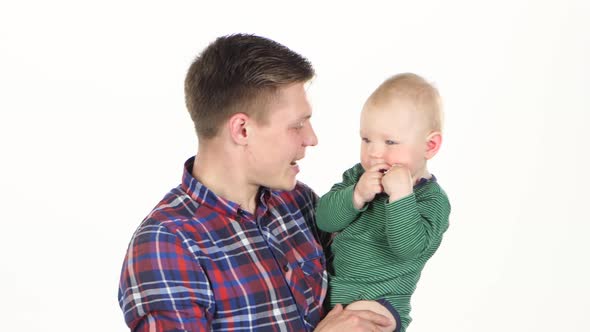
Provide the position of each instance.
(293, 116)
(292, 106)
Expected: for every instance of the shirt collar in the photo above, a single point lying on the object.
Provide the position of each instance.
(202, 195)
(424, 181)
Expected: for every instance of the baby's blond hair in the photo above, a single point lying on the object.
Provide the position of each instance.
(415, 89)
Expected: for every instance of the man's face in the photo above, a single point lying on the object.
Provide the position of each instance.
(394, 134)
(275, 147)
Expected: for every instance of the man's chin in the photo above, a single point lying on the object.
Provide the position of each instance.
(286, 185)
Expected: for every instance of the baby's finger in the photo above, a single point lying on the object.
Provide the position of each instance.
(380, 167)
(376, 187)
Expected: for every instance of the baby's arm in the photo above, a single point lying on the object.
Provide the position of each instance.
(413, 224)
(342, 204)
(335, 209)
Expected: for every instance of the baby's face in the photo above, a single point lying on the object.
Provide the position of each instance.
(394, 134)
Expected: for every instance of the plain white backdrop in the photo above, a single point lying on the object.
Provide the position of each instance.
(93, 132)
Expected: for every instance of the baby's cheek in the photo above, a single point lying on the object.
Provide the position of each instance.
(365, 163)
(399, 158)
(393, 160)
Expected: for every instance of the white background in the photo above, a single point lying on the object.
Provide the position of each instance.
(93, 132)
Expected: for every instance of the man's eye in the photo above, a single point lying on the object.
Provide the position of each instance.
(390, 142)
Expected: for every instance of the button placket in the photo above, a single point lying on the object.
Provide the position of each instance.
(240, 214)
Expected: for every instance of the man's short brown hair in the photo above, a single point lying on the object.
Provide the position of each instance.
(239, 73)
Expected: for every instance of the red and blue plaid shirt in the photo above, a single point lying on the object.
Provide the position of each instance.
(199, 262)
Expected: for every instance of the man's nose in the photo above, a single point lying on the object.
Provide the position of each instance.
(310, 138)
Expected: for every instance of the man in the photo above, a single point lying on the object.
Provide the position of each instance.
(235, 246)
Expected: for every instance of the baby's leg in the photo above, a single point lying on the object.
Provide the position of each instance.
(379, 308)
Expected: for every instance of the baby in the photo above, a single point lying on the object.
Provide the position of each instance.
(389, 211)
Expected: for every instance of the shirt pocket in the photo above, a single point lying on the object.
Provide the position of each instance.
(312, 282)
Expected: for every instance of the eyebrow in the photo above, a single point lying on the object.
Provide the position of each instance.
(303, 118)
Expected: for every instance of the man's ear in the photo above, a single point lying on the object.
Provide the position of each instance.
(239, 126)
(433, 143)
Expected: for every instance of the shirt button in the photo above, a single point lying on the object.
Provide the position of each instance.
(286, 267)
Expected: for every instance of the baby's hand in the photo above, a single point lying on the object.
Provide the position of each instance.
(397, 182)
(369, 185)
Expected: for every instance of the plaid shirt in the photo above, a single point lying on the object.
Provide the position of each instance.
(199, 262)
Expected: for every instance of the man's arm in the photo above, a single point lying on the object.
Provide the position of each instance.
(350, 320)
(162, 286)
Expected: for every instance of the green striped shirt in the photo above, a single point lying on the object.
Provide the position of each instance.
(381, 249)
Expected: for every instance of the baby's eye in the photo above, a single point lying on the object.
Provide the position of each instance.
(366, 140)
(390, 142)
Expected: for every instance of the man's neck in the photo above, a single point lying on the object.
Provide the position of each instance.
(224, 175)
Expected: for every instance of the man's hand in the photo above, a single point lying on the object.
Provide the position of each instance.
(397, 182)
(369, 185)
(339, 319)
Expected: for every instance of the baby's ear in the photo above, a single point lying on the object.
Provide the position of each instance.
(433, 142)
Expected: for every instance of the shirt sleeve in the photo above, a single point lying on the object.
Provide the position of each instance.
(415, 224)
(162, 286)
(335, 209)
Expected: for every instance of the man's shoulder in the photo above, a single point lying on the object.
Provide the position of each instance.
(301, 197)
(174, 209)
(303, 188)
(304, 191)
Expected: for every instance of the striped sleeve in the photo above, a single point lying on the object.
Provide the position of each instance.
(162, 286)
(335, 209)
(413, 226)
(309, 214)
